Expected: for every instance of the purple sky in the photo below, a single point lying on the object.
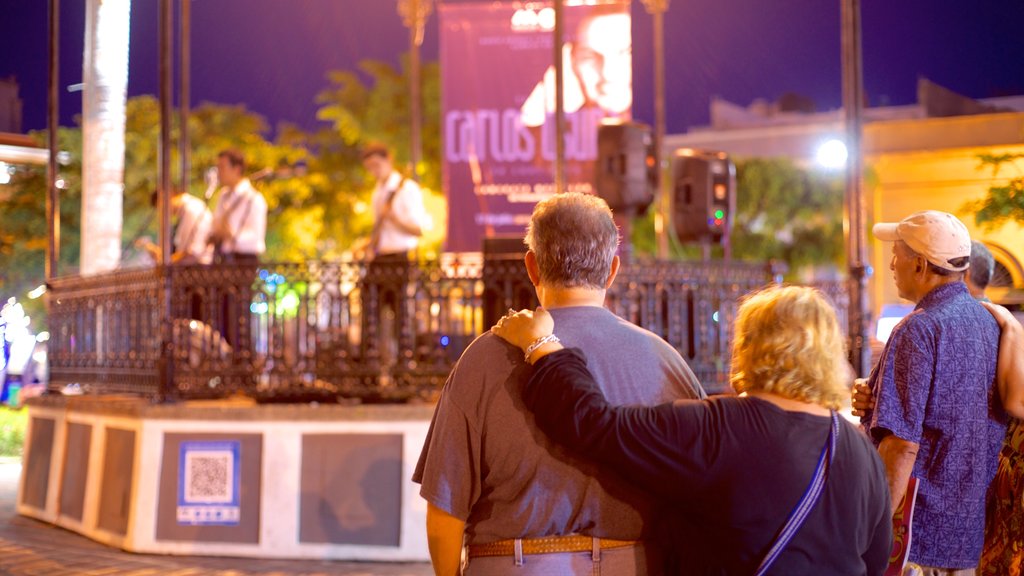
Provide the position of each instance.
(272, 55)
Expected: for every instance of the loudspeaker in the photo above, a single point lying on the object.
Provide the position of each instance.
(505, 281)
(703, 186)
(626, 172)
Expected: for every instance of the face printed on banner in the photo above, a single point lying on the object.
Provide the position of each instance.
(602, 58)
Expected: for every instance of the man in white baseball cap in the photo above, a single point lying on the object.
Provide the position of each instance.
(939, 237)
(933, 419)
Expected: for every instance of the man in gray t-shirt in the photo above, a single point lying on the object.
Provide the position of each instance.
(492, 481)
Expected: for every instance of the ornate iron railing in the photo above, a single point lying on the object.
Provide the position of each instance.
(331, 331)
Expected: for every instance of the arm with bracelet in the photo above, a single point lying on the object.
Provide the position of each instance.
(532, 331)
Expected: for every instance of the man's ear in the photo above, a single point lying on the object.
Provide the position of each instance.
(532, 270)
(613, 272)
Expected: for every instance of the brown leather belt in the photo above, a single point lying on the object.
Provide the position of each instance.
(546, 545)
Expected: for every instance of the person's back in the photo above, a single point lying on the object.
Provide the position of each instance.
(755, 461)
(958, 424)
(516, 483)
(491, 477)
(730, 470)
(937, 416)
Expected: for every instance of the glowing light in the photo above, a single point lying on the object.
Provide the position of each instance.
(288, 305)
(445, 341)
(43, 336)
(832, 154)
(5, 173)
(37, 292)
(714, 316)
(719, 214)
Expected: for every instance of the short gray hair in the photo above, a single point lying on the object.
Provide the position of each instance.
(574, 240)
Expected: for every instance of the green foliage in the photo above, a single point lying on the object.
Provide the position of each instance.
(12, 431)
(782, 213)
(316, 189)
(788, 214)
(378, 111)
(23, 227)
(1002, 202)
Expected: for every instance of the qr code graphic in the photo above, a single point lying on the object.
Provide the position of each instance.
(208, 476)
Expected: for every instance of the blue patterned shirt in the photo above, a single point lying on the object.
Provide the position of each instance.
(934, 385)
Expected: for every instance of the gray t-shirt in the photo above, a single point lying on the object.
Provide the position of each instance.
(485, 462)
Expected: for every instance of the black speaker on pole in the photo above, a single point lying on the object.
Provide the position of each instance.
(626, 173)
(703, 195)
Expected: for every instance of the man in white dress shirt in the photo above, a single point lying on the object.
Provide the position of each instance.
(388, 290)
(238, 237)
(240, 218)
(398, 212)
(191, 231)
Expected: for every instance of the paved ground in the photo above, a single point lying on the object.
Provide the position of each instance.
(32, 548)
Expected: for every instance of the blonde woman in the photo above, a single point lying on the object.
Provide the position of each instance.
(734, 469)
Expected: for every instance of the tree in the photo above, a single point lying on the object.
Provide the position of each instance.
(23, 226)
(316, 189)
(293, 223)
(788, 214)
(1002, 202)
(359, 113)
(782, 213)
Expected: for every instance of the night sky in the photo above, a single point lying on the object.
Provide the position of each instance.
(272, 55)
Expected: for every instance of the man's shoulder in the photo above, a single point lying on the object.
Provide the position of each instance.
(598, 320)
(486, 359)
(194, 205)
(959, 310)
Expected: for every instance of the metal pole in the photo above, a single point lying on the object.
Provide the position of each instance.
(414, 92)
(165, 362)
(657, 8)
(185, 56)
(52, 193)
(855, 224)
(414, 15)
(559, 103)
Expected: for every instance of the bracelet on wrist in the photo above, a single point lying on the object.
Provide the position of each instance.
(550, 338)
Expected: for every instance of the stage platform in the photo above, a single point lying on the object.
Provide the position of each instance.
(229, 478)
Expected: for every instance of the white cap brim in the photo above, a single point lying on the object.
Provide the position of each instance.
(886, 231)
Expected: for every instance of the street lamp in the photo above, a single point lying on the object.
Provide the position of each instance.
(832, 154)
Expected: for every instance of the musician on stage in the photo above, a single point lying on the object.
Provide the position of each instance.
(388, 288)
(398, 211)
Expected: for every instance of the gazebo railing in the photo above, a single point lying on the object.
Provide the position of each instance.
(344, 330)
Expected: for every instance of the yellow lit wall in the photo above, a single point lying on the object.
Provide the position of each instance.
(932, 163)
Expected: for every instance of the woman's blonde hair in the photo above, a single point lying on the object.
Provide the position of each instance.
(788, 343)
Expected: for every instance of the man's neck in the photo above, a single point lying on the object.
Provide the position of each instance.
(233, 187)
(932, 283)
(568, 297)
(384, 181)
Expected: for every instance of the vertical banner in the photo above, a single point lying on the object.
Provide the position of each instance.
(498, 104)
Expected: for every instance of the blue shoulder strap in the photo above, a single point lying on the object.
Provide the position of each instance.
(807, 502)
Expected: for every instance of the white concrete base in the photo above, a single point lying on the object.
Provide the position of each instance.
(282, 430)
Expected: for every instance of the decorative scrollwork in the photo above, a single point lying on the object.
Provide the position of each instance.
(345, 330)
